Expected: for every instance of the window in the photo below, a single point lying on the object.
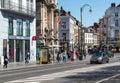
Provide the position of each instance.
(20, 5)
(116, 23)
(63, 25)
(2, 3)
(86, 35)
(29, 6)
(10, 26)
(64, 36)
(116, 33)
(27, 28)
(19, 27)
(116, 14)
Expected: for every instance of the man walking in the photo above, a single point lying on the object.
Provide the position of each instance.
(27, 57)
(5, 61)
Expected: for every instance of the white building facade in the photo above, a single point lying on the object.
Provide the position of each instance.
(89, 38)
(112, 24)
(17, 24)
(66, 32)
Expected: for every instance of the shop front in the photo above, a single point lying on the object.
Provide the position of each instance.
(18, 49)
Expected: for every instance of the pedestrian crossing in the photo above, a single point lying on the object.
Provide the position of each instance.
(53, 76)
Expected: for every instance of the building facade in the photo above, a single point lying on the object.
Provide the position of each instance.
(77, 34)
(66, 32)
(91, 38)
(112, 24)
(70, 36)
(18, 28)
(47, 25)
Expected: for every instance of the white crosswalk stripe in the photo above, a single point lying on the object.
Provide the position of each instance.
(39, 79)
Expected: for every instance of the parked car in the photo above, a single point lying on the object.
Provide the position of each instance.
(99, 57)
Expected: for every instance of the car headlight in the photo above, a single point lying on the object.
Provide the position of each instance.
(100, 58)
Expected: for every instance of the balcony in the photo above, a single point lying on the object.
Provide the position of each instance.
(17, 9)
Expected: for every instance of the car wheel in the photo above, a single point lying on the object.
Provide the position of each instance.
(107, 61)
(102, 62)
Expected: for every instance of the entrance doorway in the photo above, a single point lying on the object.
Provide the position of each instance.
(19, 51)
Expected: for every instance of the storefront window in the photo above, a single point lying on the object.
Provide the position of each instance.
(11, 50)
(19, 51)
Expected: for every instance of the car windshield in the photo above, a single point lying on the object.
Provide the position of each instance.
(97, 54)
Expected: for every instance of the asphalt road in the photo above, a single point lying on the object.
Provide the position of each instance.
(64, 73)
(86, 75)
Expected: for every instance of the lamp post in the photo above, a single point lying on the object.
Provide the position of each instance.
(81, 42)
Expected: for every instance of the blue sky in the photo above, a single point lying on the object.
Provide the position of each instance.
(98, 9)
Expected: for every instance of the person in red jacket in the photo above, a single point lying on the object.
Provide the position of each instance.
(78, 54)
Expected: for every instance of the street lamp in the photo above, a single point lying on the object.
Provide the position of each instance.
(81, 10)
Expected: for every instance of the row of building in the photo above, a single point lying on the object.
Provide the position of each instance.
(35, 25)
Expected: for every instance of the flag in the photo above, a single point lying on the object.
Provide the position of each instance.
(58, 20)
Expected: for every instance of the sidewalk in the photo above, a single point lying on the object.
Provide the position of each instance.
(19, 65)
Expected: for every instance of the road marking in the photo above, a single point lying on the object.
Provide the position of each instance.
(53, 76)
(107, 78)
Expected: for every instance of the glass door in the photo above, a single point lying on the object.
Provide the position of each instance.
(19, 51)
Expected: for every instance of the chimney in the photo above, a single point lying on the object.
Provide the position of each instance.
(68, 13)
(112, 4)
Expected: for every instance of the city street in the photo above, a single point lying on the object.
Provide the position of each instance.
(59, 41)
(72, 72)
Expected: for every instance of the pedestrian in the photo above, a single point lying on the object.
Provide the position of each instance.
(50, 58)
(84, 53)
(58, 57)
(5, 61)
(64, 57)
(77, 54)
(27, 57)
(68, 54)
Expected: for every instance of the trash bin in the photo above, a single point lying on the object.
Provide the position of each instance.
(40, 60)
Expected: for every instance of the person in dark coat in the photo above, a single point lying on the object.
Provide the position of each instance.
(84, 53)
(5, 61)
(58, 57)
(27, 57)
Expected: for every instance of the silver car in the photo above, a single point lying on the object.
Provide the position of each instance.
(99, 57)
